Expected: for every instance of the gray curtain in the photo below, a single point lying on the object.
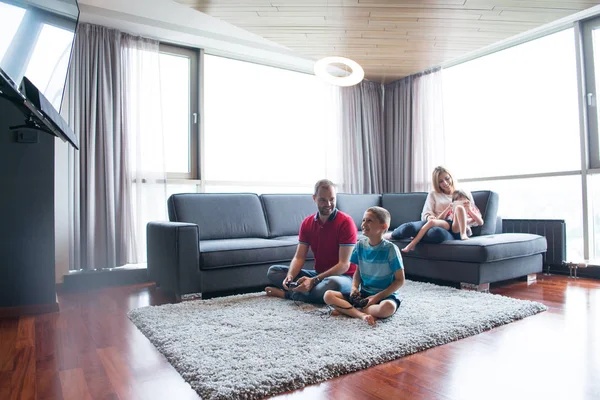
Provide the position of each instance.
(363, 144)
(398, 144)
(414, 131)
(102, 224)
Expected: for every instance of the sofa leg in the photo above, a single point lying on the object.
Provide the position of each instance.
(483, 287)
(191, 296)
(531, 278)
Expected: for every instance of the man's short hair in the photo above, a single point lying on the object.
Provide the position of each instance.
(323, 183)
(382, 214)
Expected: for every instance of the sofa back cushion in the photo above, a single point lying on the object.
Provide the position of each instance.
(220, 215)
(404, 207)
(355, 205)
(487, 202)
(285, 212)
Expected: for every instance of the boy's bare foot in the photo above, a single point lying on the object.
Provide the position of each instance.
(409, 247)
(275, 292)
(387, 236)
(464, 237)
(369, 318)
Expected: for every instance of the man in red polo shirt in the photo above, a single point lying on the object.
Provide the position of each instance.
(331, 235)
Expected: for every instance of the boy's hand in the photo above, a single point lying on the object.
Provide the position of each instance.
(354, 291)
(372, 300)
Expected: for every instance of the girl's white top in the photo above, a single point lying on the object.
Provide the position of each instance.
(436, 202)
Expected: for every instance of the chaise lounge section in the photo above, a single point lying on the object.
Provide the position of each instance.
(224, 242)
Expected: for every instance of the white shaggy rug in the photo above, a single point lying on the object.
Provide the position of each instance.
(250, 346)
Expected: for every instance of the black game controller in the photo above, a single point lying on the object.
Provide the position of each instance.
(292, 284)
(357, 301)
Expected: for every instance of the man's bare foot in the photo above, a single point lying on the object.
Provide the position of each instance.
(369, 318)
(387, 236)
(275, 292)
(409, 247)
(464, 237)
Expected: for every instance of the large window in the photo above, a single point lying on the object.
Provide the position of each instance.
(37, 44)
(557, 197)
(266, 129)
(515, 111)
(49, 62)
(10, 23)
(591, 45)
(512, 126)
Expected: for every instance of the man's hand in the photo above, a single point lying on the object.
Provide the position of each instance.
(286, 281)
(305, 284)
(354, 292)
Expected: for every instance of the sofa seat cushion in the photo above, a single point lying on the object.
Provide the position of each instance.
(294, 239)
(480, 249)
(223, 253)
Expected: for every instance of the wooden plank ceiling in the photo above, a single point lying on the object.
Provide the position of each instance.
(390, 39)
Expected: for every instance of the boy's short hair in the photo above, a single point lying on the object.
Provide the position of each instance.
(459, 193)
(323, 183)
(382, 214)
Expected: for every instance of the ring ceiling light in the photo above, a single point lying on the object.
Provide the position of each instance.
(321, 70)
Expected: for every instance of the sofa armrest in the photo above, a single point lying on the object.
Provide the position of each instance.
(498, 225)
(173, 257)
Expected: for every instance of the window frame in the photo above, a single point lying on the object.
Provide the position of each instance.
(590, 95)
(193, 55)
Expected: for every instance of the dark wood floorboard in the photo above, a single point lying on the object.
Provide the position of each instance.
(90, 350)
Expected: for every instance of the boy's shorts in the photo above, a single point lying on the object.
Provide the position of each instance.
(394, 297)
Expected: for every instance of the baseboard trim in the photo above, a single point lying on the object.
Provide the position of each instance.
(98, 279)
(35, 309)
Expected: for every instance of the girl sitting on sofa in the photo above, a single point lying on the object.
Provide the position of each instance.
(457, 218)
(437, 201)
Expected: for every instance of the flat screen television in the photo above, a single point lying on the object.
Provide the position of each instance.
(36, 40)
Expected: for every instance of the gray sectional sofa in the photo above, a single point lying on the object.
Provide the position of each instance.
(223, 242)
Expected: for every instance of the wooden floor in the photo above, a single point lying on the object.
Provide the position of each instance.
(90, 350)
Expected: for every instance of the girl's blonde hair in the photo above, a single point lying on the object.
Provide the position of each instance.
(435, 178)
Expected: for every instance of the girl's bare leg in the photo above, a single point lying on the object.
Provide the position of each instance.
(460, 219)
(336, 299)
(428, 225)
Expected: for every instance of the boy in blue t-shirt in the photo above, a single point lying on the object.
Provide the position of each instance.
(379, 272)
